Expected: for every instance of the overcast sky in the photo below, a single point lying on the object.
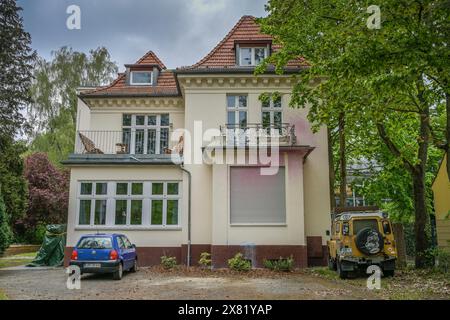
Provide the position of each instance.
(180, 32)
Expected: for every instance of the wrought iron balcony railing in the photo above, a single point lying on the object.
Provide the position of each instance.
(139, 141)
(158, 141)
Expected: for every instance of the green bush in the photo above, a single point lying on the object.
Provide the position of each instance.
(442, 260)
(205, 260)
(39, 234)
(32, 235)
(5, 231)
(410, 240)
(239, 263)
(168, 262)
(282, 264)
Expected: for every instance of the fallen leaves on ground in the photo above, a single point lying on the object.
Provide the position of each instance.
(405, 285)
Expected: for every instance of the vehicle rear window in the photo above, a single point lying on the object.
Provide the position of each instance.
(95, 243)
(358, 225)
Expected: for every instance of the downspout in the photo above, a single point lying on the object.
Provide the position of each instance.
(188, 263)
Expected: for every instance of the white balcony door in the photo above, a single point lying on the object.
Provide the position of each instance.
(236, 119)
(146, 134)
(272, 116)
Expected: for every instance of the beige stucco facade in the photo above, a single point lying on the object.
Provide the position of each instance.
(307, 183)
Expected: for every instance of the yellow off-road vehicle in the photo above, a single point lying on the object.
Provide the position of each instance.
(360, 239)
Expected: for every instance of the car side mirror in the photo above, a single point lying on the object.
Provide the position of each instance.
(133, 246)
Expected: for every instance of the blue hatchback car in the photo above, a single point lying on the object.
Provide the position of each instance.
(105, 253)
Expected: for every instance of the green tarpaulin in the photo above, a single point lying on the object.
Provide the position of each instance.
(51, 252)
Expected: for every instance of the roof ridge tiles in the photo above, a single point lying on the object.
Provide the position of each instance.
(151, 54)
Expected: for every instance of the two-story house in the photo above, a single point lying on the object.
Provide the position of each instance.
(133, 172)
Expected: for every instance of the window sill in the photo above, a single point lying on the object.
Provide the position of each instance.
(126, 228)
(258, 225)
(149, 84)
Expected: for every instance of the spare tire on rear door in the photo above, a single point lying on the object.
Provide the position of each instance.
(369, 241)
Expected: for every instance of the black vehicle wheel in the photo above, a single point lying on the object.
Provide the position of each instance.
(331, 263)
(388, 273)
(135, 266)
(119, 273)
(369, 241)
(342, 274)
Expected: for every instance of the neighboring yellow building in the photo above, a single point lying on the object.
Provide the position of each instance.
(441, 190)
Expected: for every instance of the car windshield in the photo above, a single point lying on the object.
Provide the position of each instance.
(359, 224)
(95, 243)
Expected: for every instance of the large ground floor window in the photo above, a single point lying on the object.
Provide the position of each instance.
(129, 203)
(256, 198)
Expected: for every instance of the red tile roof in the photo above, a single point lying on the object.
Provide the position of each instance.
(150, 58)
(166, 84)
(220, 59)
(223, 55)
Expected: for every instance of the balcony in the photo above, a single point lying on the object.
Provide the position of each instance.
(256, 134)
(127, 142)
(154, 143)
(126, 147)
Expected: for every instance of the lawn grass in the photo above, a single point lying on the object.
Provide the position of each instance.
(408, 284)
(17, 260)
(26, 255)
(3, 296)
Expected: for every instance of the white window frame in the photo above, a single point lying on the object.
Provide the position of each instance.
(141, 83)
(146, 127)
(233, 134)
(272, 109)
(164, 197)
(93, 197)
(236, 109)
(253, 56)
(128, 197)
(111, 198)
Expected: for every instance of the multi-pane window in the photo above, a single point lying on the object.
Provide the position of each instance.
(128, 200)
(237, 111)
(252, 56)
(146, 134)
(92, 204)
(236, 118)
(141, 78)
(272, 113)
(165, 203)
(129, 203)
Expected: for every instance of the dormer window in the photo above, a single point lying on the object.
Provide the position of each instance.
(252, 56)
(141, 78)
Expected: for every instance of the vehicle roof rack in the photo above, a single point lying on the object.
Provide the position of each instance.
(338, 211)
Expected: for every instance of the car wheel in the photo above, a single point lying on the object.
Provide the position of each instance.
(135, 266)
(388, 273)
(331, 263)
(342, 274)
(119, 273)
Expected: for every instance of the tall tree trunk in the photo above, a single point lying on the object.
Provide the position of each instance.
(419, 187)
(332, 176)
(342, 162)
(420, 210)
(417, 173)
(447, 133)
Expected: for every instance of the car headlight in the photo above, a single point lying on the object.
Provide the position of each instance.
(391, 250)
(346, 251)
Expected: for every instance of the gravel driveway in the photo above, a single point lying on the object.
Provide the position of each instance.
(182, 284)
